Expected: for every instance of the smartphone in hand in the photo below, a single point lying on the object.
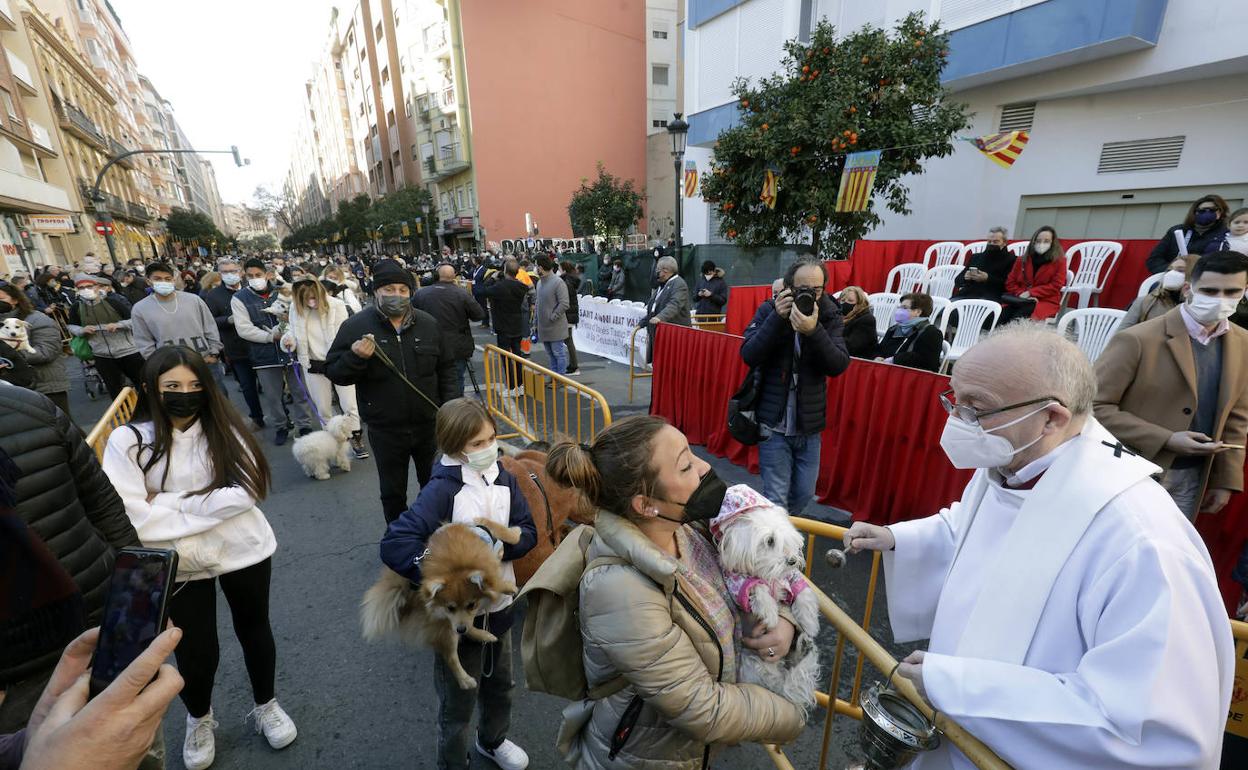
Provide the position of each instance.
(136, 610)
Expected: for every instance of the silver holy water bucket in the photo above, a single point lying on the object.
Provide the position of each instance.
(892, 731)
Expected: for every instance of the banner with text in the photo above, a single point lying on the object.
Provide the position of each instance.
(606, 330)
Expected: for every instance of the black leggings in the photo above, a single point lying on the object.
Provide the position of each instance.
(193, 609)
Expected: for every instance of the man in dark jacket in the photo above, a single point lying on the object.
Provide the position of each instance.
(64, 497)
(711, 291)
(669, 302)
(237, 350)
(986, 271)
(507, 306)
(453, 309)
(381, 350)
(794, 354)
(570, 276)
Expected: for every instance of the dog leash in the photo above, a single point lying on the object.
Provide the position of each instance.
(550, 522)
(307, 394)
(385, 359)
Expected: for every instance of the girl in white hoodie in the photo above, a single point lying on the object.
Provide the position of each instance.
(314, 320)
(186, 485)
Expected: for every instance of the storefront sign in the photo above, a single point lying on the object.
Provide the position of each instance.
(457, 223)
(51, 223)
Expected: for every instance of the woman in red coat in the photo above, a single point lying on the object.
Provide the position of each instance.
(1037, 279)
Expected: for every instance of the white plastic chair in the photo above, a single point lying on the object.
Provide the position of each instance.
(943, 253)
(975, 316)
(1092, 275)
(939, 280)
(616, 301)
(905, 278)
(1149, 284)
(883, 305)
(1018, 248)
(1093, 326)
(973, 247)
(939, 306)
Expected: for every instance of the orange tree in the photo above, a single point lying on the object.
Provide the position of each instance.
(870, 90)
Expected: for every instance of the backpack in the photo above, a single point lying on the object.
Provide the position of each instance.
(551, 641)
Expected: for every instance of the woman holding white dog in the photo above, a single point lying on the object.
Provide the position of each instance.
(469, 483)
(314, 320)
(662, 623)
(47, 362)
(191, 474)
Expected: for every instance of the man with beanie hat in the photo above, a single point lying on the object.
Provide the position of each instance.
(103, 318)
(403, 369)
(272, 364)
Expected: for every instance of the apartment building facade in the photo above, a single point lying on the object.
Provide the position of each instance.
(1133, 107)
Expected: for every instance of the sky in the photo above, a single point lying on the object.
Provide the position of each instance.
(234, 71)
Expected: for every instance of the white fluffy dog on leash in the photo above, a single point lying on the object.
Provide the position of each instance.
(761, 555)
(318, 450)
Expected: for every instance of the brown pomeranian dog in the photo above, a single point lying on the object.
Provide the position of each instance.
(461, 578)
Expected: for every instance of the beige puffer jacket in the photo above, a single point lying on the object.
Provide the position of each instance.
(641, 620)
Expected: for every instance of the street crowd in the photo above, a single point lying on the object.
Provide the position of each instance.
(1061, 595)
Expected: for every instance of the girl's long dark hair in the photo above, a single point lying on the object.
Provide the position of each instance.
(223, 427)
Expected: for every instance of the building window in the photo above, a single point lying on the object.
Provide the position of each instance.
(378, 30)
(658, 74)
(472, 197)
(390, 117)
(459, 197)
(658, 124)
(9, 106)
(385, 75)
(658, 34)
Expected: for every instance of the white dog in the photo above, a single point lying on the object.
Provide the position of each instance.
(761, 555)
(16, 333)
(318, 450)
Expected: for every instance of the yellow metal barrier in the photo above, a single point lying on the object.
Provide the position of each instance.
(712, 322)
(633, 372)
(858, 634)
(118, 414)
(539, 404)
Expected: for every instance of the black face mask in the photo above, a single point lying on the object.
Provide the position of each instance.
(704, 503)
(5, 307)
(846, 308)
(182, 404)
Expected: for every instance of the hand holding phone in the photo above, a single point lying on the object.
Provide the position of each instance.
(136, 610)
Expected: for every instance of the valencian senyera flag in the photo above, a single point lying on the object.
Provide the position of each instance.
(691, 179)
(770, 183)
(1003, 149)
(857, 180)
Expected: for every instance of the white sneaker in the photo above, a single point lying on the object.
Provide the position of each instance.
(199, 748)
(508, 755)
(277, 726)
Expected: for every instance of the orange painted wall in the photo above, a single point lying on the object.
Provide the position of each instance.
(555, 86)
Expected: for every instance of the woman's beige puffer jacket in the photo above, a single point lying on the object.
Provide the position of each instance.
(642, 621)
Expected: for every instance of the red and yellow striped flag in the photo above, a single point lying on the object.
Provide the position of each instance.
(691, 179)
(1002, 149)
(857, 180)
(768, 195)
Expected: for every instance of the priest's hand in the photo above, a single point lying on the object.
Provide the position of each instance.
(912, 668)
(1215, 500)
(868, 537)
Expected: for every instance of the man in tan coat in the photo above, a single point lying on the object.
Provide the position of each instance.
(1175, 389)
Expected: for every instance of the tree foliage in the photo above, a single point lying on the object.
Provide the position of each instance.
(353, 219)
(258, 242)
(608, 207)
(358, 219)
(277, 206)
(403, 205)
(870, 90)
(192, 226)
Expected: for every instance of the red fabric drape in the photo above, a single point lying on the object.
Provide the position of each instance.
(870, 262)
(880, 456)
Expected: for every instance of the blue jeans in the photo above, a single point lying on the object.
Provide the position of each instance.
(246, 377)
(790, 467)
(461, 366)
(1240, 573)
(558, 352)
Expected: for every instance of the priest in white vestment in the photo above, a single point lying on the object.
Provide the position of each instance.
(1071, 610)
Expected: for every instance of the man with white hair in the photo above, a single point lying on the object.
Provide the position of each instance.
(1072, 611)
(668, 304)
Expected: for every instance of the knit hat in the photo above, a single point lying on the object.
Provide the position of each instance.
(738, 499)
(387, 272)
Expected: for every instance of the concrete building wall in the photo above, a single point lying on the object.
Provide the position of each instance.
(543, 116)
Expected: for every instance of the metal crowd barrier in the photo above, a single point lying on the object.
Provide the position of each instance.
(118, 414)
(633, 372)
(538, 404)
(711, 322)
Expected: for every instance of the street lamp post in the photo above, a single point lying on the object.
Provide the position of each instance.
(97, 198)
(679, 131)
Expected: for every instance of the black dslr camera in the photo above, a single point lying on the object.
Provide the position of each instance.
(804, 298)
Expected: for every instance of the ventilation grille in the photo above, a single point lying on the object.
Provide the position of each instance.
(1141, 155)
(1017, 117)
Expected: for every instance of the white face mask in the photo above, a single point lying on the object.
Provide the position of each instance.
(482, 459)
(88, 295)
(258, 284)
(231, 279)
(1042, 248)
(1173, 280)
(1211, 310)
(971, 446)
(163, 288)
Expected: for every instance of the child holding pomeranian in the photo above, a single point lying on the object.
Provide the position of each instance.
(468, 483)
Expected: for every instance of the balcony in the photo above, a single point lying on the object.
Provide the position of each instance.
(8, 22)
(76, 122)
(436, 40)
(137, 213)
(40, 134)
(21, 75)
(117, 148)
(33, 194)
(447, 99)
(447, 162)
(109, 202)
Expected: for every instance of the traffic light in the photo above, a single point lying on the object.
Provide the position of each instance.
(238, 159)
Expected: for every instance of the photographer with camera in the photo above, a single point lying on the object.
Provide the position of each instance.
(793, 344)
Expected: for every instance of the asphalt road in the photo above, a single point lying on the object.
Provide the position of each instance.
(360, 705)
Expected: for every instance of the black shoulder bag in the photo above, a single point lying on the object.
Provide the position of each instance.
(742, 422)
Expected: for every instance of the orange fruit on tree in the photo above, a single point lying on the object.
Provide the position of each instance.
(765, 126)
(812, 219)
(866, 60)
(805, 68)
(852, 109)
(827, 50)
(745, 103)
(794, 150)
